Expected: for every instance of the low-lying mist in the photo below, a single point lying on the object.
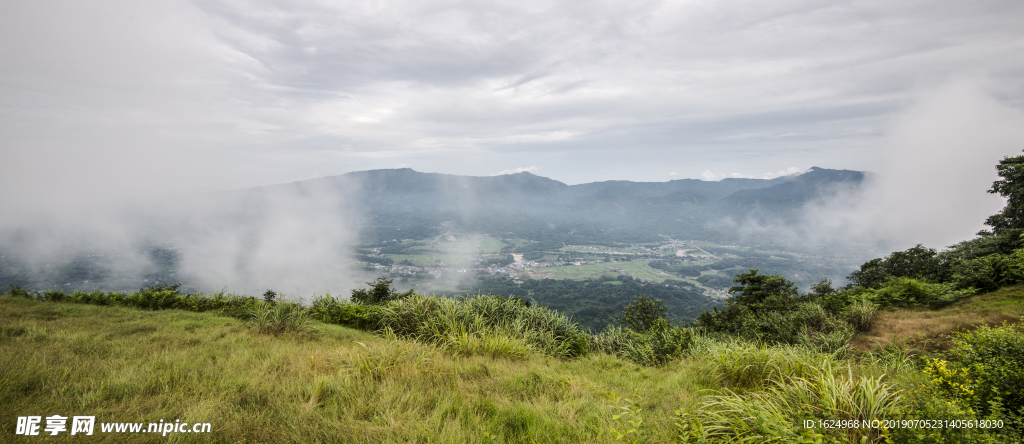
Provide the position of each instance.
(292, 238)
(930, 187)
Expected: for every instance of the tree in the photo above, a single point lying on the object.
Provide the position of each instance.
(642, 313)
(1011, 219)
(917, 262)
(380, 292)
(762, 293)
(761, 307)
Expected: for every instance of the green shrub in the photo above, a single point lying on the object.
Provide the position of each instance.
(908, 292)
(806, 323)
(860, 314)
(17, 291)
(813, 315)
(55, 295)
(331, 310)
(985, 367)
(769, 308)
(917, 262)
(380, 292)
(925, 399)
(457, 324)
(659, 345)
(988, 273)
(628, 416)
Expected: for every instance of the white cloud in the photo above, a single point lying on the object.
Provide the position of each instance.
(939, 161)
(234, 94)
(530, 169)
(713, 176)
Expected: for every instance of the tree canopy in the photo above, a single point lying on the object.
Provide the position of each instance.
(1011, 219)
(760, 292)
(642, 313)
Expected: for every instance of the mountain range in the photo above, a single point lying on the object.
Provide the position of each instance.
(405, 203)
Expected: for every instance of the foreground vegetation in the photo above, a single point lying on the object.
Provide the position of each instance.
(445, 371)
(342, 385)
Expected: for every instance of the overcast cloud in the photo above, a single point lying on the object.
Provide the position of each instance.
(121, 98)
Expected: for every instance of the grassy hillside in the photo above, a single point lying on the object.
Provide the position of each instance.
(336, 384)
(929, 329)
(129, 365)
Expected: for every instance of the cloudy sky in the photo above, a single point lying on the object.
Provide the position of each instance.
(126, 97)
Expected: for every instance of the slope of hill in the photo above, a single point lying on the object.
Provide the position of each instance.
(538, 208)
(131, 366)
(929, 329)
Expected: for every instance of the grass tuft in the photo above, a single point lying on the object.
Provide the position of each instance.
(278, 318)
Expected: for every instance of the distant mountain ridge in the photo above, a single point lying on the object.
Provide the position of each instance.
(525, 205)
(297, 229)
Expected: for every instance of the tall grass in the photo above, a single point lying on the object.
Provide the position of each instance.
(488, 325)
(861, 313)
(742, 365)
(389, 359)
(779, 387)
(893, 357)
(659, 345)
(280, 317)
(777, 413)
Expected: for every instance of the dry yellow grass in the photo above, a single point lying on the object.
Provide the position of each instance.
(927, 329)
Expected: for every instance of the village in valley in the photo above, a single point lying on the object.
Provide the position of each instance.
(440, 263)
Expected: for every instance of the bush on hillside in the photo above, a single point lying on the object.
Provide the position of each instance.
(985, 369)
(658, 345)
(483, 323)
(988, 273)
(770, 308)
(908, 292)
(860, 313)
(278, 318)
(332, 310)
(917, 262)
(380, 292)
(159, 297)
(19, 292)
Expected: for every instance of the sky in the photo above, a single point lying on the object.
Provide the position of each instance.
(109, 99)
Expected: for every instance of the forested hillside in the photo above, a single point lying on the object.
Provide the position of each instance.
(527, 206)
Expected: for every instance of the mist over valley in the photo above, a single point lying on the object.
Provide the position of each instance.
(515, 234)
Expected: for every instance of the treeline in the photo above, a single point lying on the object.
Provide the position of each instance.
(381, 260)
(803, 272)
(157, 297)
(596, 303)
(772, 308)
